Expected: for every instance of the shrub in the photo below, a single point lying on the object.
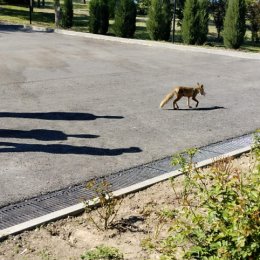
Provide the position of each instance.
(195, 21)
(218, 213)
(98, 16)
(103, 253)
(67, 14)
(108, 206)
(234, 24)
(159, 20)
(125, 18)
(143, 6)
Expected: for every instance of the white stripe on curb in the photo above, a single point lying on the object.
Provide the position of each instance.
(78, 208)
(168, 45)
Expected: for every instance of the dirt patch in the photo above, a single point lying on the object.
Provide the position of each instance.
(69, 238)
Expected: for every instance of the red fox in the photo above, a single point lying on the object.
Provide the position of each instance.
(180, 92)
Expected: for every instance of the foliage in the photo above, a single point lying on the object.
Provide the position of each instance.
(67, 14)
(108, 205)
(142, 6)
(103, 253)
(253, 15)
(179, 10)
(195, 21)
(98, 16)
(218, 9)
(234, 24)
(111, 8)
(125, 18)
(218, 213)
(159, 20)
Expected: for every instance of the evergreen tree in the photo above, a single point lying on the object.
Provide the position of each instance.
(203, 21)
(67, 14)
(190, 22)
(125, 18)
(195, 21)
(159, 20)
(98, 16)
(234, 24)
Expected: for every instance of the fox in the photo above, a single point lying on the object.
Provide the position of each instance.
(179, 92)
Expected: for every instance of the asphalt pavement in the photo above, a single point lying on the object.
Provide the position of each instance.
(73, 108)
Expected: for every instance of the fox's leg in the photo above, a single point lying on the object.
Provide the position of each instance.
(175, 102)
(189, 103)
(195, 101)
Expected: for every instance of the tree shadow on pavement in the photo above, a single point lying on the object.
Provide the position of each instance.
(66, 116)
(41, 134)
(8, 147)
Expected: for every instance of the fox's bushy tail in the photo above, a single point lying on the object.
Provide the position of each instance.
(167, 98)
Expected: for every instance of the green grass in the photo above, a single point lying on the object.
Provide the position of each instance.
(44, 16)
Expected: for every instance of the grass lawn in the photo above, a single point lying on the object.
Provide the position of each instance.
(44, 16)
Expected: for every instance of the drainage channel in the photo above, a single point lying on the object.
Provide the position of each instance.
(46, 205)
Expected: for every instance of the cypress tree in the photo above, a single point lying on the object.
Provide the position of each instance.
(67, 14)
(159, 20)
(98, 16)
(195, 21)
(190, 22)
(203, 21)
(234, 24)
(125, 18)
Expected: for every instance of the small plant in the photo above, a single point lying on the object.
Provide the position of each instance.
(103, 253)
(108, 205)
(218, 213)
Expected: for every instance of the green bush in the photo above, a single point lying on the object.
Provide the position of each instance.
(98, 16)
(125, 18)
(195, 22)
(234, 24)
(159, 20)
(143, 6)
(67, 14)
(103, 253)
(218, 212)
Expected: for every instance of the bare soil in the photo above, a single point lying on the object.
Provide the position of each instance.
(69, 238)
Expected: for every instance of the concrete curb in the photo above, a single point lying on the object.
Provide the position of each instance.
(167, 45)
(78, 208)
(180, 47)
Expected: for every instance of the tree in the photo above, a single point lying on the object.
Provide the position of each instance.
(67, 14)
(203, 21)
(195, 21)
(218, 8)
(234, 24)
(159, 20)
(253, 15)
(125, 18)
(98, 16)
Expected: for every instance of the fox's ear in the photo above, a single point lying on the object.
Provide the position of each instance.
(198, 83)
(202, 86)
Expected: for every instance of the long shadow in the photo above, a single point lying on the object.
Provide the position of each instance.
(66, 116)
(8, 147)
(198, 108)
(41, 134)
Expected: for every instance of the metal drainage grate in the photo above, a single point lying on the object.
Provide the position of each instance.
(39, 206)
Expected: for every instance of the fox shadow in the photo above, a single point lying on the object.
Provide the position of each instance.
(198, 108)
(8, 147)
(65, 116)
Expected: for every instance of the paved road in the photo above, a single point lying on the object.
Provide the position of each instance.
(73, 108)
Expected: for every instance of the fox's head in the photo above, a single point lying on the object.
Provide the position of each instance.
(201, 89)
